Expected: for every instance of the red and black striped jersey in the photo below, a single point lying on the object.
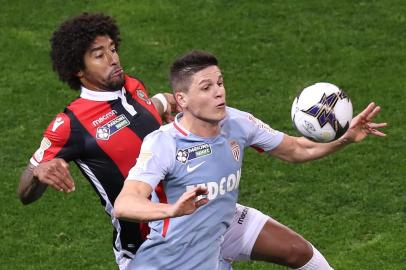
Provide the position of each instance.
(102, 133)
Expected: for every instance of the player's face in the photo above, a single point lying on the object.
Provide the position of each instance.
(206, 97)
(102, 70)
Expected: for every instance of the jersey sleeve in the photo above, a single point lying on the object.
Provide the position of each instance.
(259, 135)
(263, 137)
(54, 139)
(155, 159)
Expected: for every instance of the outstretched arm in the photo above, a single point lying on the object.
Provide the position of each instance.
(133, 204)
(35, 179)
(300, 149)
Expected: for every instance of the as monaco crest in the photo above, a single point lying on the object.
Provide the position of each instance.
(235, 149)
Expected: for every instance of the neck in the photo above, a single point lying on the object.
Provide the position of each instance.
(200, 127)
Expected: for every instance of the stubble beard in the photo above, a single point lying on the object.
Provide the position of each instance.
(116, 83)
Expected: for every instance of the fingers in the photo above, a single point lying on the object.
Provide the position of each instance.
(374, 112)
(200, 190)
(168, 118)
(52, 180)
(373, 129)
(201, 202)
(65, 176)
(55, 173)
(377, 133)
(367, 110)
(377, 125)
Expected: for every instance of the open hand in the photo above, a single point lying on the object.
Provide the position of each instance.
(362, 125)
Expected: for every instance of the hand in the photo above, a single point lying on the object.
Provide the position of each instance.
(187, 203)
(361, 125)
(173, 108)
(55, 173)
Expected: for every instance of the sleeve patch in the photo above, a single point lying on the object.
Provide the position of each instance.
(262, 125)
(39, 154)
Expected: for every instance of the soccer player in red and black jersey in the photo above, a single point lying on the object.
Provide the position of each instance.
(102, 130)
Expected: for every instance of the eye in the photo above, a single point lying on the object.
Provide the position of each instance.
(99, 55)
(113, 50)
(220, 84)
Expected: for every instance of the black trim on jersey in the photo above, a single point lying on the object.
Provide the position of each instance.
(93, 155)
(130, 234)
(145, 122)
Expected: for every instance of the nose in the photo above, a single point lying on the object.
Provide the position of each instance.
(112, 58)
(220, 91)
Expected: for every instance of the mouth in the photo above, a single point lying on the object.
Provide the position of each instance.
(221, 105)
(117, 73)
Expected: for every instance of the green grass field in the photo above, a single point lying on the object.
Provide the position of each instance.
(350, 205)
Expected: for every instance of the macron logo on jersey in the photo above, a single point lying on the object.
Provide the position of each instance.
(58, 121)
(104, 117)
(226, 184)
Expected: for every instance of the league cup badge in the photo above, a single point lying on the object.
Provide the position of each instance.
(182, 156)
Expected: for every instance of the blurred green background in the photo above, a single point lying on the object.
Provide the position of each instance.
(350, 205)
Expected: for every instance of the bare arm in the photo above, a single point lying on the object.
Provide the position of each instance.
(165, 104)
(133, 204)
(300, 149)
(35, 180)
(30, 188)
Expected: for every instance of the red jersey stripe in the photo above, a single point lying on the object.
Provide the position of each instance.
(162, 199)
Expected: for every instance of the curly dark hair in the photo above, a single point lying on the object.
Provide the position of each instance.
(71, 40)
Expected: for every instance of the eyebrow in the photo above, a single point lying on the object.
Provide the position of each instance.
(204, 81)
(100, 47)
(208, 80)
(96, 49)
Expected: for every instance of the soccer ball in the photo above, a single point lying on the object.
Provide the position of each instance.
(322, 112)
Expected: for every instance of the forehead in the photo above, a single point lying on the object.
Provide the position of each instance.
(211, 72)
(101, 41)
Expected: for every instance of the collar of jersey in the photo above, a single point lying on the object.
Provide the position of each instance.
(99, 95)
(186, 132)
(178, 126)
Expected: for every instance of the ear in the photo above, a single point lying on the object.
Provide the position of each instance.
(79, 74)
(181, 99)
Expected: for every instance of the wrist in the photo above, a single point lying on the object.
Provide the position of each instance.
(170, 210)
(343, 141)
(33, 168)
(161, 97)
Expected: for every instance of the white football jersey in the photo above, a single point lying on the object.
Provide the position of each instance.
(173, 160)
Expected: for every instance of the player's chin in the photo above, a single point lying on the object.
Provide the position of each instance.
(221, 111)
(116, 83)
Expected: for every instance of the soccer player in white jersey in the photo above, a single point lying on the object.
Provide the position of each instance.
(196, 161)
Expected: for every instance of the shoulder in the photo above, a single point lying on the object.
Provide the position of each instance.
(60, 125)
(133, 85)
(162, 138)
(238, 117)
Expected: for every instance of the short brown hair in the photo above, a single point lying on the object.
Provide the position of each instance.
(187, 65)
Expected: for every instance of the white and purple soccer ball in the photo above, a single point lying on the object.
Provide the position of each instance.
(322, 112)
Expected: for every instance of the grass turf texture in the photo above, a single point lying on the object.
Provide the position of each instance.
(350, 205)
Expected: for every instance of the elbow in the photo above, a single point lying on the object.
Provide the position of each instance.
(118, 209)
(122, 211)
(28, 195)
(24, 199)
(293, 159)
(297, 160)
